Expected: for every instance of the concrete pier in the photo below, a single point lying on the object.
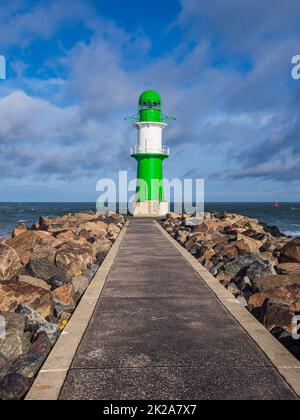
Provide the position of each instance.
(160, 332)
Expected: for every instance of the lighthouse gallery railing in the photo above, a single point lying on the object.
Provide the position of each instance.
(137, 150)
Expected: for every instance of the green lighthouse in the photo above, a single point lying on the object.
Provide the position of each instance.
(150, 154)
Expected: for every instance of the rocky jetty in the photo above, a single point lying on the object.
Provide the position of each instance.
(44, 271)
(259, 265)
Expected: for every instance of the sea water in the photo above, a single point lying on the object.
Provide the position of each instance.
(286, 216)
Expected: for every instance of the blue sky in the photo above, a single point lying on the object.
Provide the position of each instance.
(76, 67)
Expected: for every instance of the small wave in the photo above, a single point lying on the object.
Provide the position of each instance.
(293, 233)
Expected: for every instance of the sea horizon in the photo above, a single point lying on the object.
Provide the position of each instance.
(89, 202)
(286, 217)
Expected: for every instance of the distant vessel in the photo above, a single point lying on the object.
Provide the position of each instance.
(276, 204)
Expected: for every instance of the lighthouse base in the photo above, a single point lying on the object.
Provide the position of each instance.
(150, 209)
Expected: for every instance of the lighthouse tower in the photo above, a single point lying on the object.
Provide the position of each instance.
(150, 154)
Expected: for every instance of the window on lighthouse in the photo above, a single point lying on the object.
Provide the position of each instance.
(150, 105)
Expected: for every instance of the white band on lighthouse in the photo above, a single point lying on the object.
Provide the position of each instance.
(150, 137)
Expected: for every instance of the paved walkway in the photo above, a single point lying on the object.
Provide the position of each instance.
(158, 332)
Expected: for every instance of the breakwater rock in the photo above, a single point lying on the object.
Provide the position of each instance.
(44, 271)
(255, 262)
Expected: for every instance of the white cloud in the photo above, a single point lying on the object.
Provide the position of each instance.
(72, 125)
(37, 137)
(20, 23)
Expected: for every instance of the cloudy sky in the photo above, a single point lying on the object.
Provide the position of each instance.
(76, 67)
